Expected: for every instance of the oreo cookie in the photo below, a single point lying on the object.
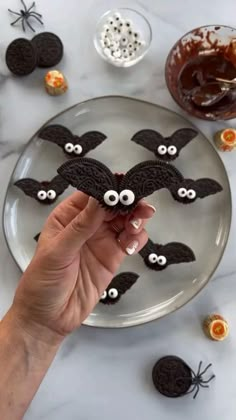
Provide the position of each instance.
(21, 57)
(49, 49)
(172, 377)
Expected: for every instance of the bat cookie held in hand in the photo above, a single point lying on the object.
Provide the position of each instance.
(165, 148)
(45, 192)
(72, 145)
(157, 257)
(118, 287)
(118, 192)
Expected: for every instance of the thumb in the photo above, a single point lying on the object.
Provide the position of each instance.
(81, 228)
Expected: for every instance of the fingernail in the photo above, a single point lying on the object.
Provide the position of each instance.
(136, 223)
(132, 247)
(152, 207)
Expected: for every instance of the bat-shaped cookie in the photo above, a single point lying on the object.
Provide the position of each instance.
(45, 192)
(165, 148)
(157, 257)
(72, 145)
(187, 191)
(118, 287)
(118, 192)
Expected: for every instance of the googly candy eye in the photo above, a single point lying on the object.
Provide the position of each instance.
(172, 150)
(182, 192)
(191, 194)
(117, 54)
(42, 195)
(137, 35)
(162, 149)
(51, 194)
(106, 29)
(69, 147)
(78, 149)
(113, 293)
(161, 260)
(117, 16)
(128, 23)
(153, 258)
(130, 47)
(110, 22)
(127, 197)
(107, 42)
(104, 295)
(124, 41)
(111, 198)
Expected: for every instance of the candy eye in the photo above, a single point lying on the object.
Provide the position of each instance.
(42, 195)
(162, 149)
(113, 293)
(191, 194)
(69, 147)
(127, 197)
(51, 194)
(124, 41)
(153, 258)
(111, 22)
(78, 149)
(111, 198)
(104, 295)
(182, 192)
(172, 150)
(161, 260)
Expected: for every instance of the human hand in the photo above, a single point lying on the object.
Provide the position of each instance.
(78, 253)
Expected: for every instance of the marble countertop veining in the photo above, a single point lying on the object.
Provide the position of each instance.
(99, 374)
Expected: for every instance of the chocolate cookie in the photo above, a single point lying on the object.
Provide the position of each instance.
(71, 144)
(165, 148)
(118, 192)
(21, 58)
(45, 192)
(49, 49)
(118, 287)
(157, 257)
(172, 377)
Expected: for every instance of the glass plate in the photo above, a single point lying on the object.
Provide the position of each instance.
(203, 225)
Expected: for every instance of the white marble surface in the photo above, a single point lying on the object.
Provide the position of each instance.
(99, 374)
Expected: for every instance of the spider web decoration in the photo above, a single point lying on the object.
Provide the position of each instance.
(25, 14)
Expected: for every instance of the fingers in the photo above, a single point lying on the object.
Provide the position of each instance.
(132, 244)
(134, 222)
(81, 228)
(66, 211)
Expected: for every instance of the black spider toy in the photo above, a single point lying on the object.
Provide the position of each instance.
(25, 14)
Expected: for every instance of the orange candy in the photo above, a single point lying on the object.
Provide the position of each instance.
(216, 327)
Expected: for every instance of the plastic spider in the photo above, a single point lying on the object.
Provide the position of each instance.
(25, 14)
(198, 381)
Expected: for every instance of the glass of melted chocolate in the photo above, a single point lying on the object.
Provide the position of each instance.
(200, 72)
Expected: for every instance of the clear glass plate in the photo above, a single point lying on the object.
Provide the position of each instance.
(203, 225)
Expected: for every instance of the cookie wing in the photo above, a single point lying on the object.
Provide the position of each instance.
(58, 184)
(207, 186)
(182, 137)
(176, 252)
(36, 238)
(29, 186)
(91, 140)
(57, 134)
(150, 139)
(124, 281)
(89, 176)
(150, 176)
(148, 249)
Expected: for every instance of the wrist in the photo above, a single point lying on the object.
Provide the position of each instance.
(39, 339)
